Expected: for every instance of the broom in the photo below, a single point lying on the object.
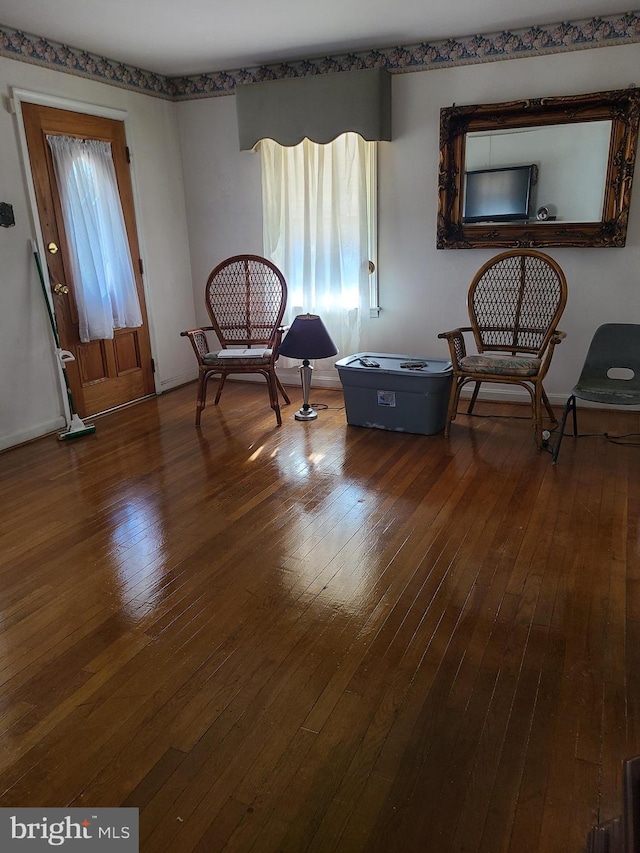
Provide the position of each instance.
(75, 425)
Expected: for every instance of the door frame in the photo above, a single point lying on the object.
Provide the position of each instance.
(18, 97)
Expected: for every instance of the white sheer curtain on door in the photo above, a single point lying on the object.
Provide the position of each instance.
(105, 285)
(316, 213)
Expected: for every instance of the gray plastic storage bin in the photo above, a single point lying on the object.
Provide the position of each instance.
(394, 397)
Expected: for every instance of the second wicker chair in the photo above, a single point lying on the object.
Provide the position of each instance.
(515, 302)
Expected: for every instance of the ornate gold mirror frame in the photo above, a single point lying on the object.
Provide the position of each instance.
(621, 107)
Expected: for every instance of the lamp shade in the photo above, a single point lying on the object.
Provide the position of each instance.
(307, 338)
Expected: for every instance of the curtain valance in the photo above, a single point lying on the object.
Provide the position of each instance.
(319, 107)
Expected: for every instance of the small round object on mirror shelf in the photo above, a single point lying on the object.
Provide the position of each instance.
(542, 214)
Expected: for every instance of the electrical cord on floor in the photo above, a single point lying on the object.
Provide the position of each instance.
(614, 439)
(498, 417)
(320, 407)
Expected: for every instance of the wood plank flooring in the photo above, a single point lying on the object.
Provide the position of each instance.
(320, 637)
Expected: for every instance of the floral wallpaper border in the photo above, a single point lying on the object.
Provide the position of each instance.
(37, 50)
(603, 31)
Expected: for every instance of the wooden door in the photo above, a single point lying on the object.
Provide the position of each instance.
(106, 373)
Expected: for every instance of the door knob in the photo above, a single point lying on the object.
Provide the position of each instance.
(60, 288)
(52, 248)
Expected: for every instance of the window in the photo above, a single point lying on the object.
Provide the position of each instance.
(319, 220)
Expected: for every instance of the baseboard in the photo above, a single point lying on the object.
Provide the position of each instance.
(494, 393)
(511, 394)
(290, 376)
(176, 381)
(507, 394)
(29, 434)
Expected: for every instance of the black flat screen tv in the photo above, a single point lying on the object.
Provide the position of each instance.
(498, 195)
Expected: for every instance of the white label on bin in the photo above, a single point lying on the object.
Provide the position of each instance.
(386, 398)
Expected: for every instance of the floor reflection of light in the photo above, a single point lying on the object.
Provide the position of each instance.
(299, 462)
(256, 453)
(331, 549)
(138, 540)
(329, 545)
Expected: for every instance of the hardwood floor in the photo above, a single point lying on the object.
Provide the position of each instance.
(321, 637)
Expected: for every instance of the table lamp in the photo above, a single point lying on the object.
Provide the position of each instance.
(307, 338)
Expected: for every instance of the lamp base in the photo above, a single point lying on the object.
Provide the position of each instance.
(306, 414)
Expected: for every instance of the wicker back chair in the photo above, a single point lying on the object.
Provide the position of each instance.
(245, 297)
(515, 302)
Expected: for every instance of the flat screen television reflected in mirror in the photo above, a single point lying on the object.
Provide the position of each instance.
(498, 195)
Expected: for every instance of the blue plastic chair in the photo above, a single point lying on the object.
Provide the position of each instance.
(610, 375)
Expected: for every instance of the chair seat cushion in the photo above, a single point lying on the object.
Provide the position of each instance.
(262, 357)
(501, 365)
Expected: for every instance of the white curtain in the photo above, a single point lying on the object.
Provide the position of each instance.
(316, 219)
(105, 285)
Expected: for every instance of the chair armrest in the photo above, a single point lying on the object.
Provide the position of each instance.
(556, 338)
(277, 340)
(200, 329)
(198, 339)
(457, 346)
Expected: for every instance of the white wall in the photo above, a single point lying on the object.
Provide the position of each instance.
(30, 399)
(222, 188)
(422, 290)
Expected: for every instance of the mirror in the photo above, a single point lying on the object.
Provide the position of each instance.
(535, 173)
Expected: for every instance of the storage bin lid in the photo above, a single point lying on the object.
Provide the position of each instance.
(401, 365)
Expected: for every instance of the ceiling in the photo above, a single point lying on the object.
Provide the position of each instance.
(193, 36)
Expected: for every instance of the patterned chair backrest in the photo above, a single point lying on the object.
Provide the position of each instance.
(246, 297)
(515, 302)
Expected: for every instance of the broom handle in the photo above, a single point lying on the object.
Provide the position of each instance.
(52, 320)
(54, 328)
